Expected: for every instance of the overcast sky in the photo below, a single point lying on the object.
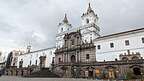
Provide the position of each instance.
(35, 21)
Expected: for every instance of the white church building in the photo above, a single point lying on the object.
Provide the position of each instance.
(108, 47)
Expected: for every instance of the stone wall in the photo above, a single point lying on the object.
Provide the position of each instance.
(102, 70)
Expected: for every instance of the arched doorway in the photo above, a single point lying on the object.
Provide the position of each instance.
(73, 59)
(137, 71)
(90, 73)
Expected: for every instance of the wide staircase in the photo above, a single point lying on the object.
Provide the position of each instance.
(44, 73)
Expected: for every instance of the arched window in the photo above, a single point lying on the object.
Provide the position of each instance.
(59, 60)
(73, 59)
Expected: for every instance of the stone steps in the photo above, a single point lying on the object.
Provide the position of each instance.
(45, 72)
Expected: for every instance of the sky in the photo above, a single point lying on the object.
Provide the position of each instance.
(36, 21)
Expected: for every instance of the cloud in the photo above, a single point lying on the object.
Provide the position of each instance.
(35, 21)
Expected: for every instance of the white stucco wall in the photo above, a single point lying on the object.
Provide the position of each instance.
(107, 53)
(33, 56)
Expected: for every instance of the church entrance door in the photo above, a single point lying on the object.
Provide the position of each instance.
(90, 74)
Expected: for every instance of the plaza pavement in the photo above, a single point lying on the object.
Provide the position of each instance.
(15, 78)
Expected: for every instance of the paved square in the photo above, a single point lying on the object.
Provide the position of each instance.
(14, 78)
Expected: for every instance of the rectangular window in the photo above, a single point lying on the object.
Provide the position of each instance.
(98, 47)
(126, 42)
(112, 45)
(87, 56)
(143, 40)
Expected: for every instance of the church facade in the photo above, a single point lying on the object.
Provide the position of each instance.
(83, 52)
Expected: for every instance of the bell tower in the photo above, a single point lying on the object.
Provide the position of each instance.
(64, 25)
(89, 17)
(89, 30)
(28, 48)
(63, 28)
